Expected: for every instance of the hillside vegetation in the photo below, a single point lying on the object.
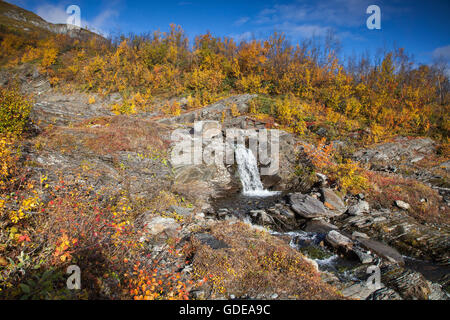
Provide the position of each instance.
(48, 222)
(307, 81)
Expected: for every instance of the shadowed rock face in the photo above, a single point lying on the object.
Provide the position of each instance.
(211, 241)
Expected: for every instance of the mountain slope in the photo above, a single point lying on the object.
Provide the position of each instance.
(19, 20)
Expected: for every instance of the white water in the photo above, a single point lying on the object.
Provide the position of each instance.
(249, 174)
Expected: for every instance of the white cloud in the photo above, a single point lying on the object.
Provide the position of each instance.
(348, 13)
(241, 21)
(57, 14)
(245, 36)
(442, 52)
(304, 31)
(52, 13)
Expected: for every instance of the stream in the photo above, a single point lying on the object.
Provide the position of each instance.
(252, 196)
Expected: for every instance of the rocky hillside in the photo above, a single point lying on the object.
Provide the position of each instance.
(330, 240)
(24, 21)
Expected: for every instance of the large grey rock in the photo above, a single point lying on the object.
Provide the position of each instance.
(319, 226)
(261, 216)
(308, 207)
(411, 285)
(337, 240)
(158, 225)
(332, 201)
(382, 250)
(359, 208)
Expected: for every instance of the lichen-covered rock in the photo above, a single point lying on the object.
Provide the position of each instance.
(359, 208)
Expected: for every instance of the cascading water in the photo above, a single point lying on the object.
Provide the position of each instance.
(249, 173)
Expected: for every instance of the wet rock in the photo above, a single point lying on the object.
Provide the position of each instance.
(286, 212)
(364, 257)
(319, 226)
(382, 250)
(211, 241)
(308, 207)
(384, 294)
(270, 181)
(262, 217)
(337, 240)
(359, 208)
(332, 201)
(402, 205)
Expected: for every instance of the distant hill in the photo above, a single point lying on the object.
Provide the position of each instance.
(19, 20)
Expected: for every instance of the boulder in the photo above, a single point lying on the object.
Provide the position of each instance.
(262, 216)
(337, 240)
(402, 205)
(359, 208)
(319, 226)
(382, 250)
(332, 201)
(308, 207)
(161, 226)
(211, 241)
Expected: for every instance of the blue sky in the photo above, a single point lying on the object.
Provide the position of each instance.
(421, 27)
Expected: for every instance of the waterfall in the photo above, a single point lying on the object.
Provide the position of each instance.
(249, 173)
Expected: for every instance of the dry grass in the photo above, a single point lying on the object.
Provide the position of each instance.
(388, 188)
(109, 135)
(257, 264)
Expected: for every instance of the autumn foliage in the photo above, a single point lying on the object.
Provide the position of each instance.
(389, 94)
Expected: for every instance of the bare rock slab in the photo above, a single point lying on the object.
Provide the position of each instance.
(308, 207)
(332, 201)
(382, 250)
